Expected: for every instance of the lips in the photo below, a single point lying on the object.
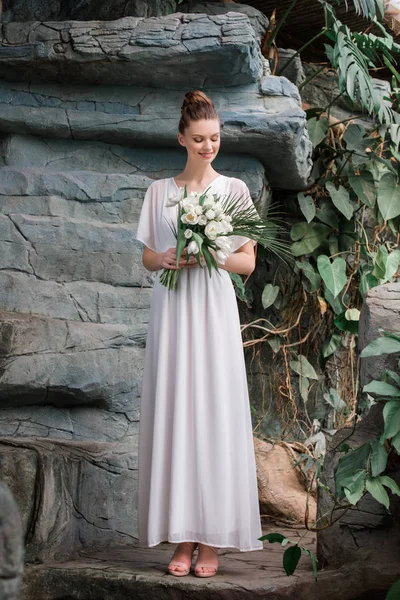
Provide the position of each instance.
(207, 155)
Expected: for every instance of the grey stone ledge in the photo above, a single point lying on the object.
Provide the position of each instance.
(61, 363)
(179, 49)
(262, 120)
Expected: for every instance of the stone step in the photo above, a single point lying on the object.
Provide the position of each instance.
(71, 495)
(187, 50)
(263, 120)
(47, 361)
(137, 572)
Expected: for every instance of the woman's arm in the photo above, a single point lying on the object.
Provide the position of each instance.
(242, 261)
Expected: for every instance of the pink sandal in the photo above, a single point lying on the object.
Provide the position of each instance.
(193, 546)
(198, 566)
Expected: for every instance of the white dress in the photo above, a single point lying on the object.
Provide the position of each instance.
(197, 473)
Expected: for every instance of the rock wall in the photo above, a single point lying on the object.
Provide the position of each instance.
(88, 120)
(11, 546)
(368, 533)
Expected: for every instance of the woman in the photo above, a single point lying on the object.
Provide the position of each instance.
(197, 476)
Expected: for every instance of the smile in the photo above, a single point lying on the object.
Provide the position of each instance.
(206, 154)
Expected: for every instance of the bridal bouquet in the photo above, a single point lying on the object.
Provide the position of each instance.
(204, 224)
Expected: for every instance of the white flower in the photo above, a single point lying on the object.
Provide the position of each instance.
(209, 201)
(224, 243)
(173, 200)
(210, 214)
(189, 201)
(202, 220)
(188, 233)
(228, 218)
(189, 208)
(190, 218)
(198, 210)
(218, 209)
(221, 256)
(193, 247)
(212, 230)
(225, 227)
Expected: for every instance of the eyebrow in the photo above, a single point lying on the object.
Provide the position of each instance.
(200, 135)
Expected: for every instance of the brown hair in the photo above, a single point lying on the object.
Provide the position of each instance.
(196, 106)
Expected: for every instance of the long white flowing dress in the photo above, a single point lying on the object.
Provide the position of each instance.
(197, 473)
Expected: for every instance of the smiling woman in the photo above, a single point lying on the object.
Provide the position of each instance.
(197, 475)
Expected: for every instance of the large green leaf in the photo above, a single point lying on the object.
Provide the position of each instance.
(269, 295)
(368, 8)
(314, 235)
(394, 591)
(396, 442)
(379, 458)
(344, 324)
(304, 388)
(307, 206)
(382, 389)
(334, 400)
(353, 134)
(391, 417)
(381, 345)
(327, 214)
(391, 484)
(340, 198)
(291, 558)
(375, 488)
(354, 486)
(349, 464)
(273, 537)
(364, 187)
(330, 346)
(389, 196)
(310, 273)
(380, 262)
(317, 129)
(333, 273)
(392, 264)
(303, 368)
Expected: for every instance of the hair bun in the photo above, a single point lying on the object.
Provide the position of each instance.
(196, 97)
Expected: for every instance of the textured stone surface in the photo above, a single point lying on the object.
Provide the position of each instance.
(176, 50)
(11, 545)
(71, 495)
(62, 363)
(368, 532)
(294, 70)
(257, 19)
(255, 119)
(137, 572)
(41, 10)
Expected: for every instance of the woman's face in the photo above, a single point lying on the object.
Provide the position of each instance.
(201, 140)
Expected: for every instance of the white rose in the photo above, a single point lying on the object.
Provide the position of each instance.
(188, 233)
(193, 247)
(210, 214)
(225, 227)
(209, 201)
(188, 207)
(198, 210)
(218, 209)
(202, 220)
(173, 200)
(221, 256)
(211, 230)
(190, 218)
(223, 243)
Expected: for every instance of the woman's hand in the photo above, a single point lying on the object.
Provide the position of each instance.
(154, 261)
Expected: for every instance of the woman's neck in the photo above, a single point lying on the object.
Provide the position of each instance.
(196, 176)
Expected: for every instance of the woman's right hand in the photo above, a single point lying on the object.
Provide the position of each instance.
(168, 259)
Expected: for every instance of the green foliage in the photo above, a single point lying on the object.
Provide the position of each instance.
(292, 554)
(394, 591)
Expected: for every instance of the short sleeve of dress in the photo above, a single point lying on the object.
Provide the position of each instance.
(146, 229)
(239, 188)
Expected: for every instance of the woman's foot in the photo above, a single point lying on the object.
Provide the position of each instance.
(181, 561)
(207, 561)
